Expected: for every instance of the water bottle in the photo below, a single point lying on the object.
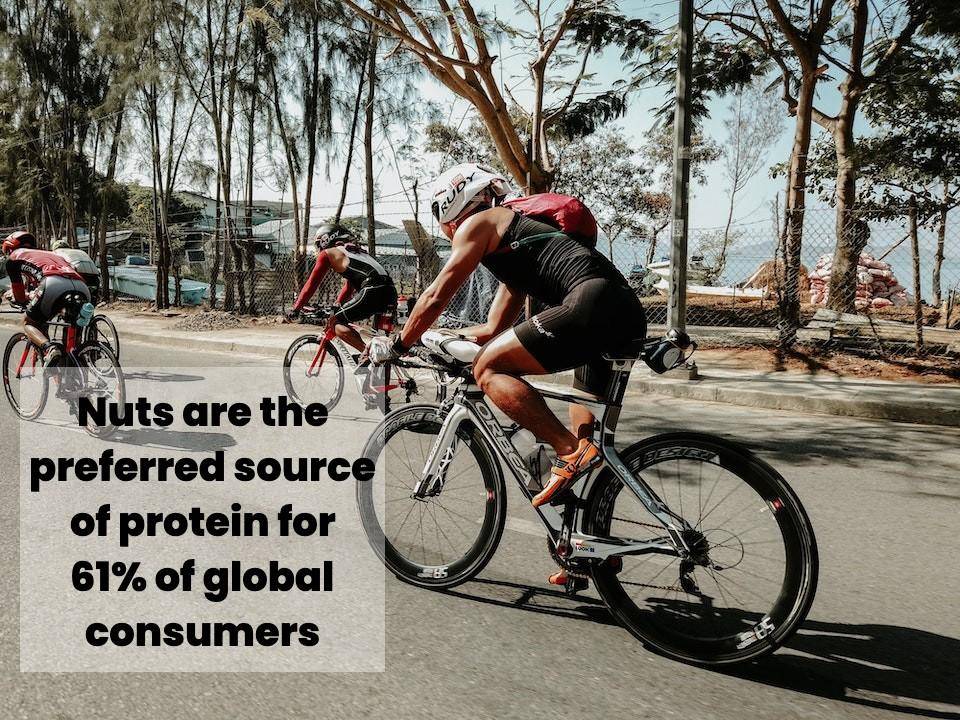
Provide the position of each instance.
(86, 312)
(537, 456)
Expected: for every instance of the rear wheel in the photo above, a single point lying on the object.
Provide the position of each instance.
(25, 382)
(309, 379)
(752, 571)
(437, 541)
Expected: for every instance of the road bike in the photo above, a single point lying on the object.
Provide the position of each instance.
(315, 368)
(698, 547)
(85, 367)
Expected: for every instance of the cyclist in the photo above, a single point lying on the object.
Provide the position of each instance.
(51, 281)
(591, 310)
(367, 288)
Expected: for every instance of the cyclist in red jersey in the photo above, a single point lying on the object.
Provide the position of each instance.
(367, 288)
(42, 283)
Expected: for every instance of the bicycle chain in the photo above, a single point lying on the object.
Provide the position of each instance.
(668, 588)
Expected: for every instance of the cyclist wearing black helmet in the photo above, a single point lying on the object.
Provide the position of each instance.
(367, 288)
(52, 283)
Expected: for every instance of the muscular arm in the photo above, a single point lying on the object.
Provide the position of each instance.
(320, 268)
(503, 312)
(469, 246)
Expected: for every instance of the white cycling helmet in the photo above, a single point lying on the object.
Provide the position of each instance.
(460, 188)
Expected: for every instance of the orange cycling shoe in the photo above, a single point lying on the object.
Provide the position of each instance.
(566, 469)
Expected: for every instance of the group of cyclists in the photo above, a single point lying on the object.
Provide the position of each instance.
(589, 309)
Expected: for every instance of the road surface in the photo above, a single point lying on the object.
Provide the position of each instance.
(882, 640)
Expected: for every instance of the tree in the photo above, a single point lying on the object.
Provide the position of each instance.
(658, 149)
(456, 51)
(804, 41)
(914, 151)
(791, 34)
(753, 125)
(603, 170)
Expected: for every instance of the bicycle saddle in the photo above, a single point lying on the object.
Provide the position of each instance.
(450, 345)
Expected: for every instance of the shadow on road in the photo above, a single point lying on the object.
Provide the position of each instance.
(174, 439)
(162, 377)
(880, 666)
(533, 599)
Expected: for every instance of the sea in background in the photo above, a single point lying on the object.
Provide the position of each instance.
(748, 252)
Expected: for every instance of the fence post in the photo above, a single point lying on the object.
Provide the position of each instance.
(677, 302)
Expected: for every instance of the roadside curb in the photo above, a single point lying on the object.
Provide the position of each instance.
(206, 344)
(704, 390)
(175, 339)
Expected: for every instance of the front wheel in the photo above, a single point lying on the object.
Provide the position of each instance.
(751, 573)
(444, 539)
(100, 376)
(101, 329)
(311, 375)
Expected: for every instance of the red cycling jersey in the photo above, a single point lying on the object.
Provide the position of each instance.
(36, 265)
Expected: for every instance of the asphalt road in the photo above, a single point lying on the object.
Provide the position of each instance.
(883, 637)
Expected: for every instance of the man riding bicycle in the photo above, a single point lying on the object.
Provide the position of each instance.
(52, 281)
(367, 288)
(591, 311)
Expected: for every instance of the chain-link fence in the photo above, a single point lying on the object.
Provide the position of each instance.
(890, 287)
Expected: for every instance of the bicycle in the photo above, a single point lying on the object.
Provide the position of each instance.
(314, 368)
(651, 527)
(86, 368)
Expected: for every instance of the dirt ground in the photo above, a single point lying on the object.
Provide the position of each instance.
(818, 361)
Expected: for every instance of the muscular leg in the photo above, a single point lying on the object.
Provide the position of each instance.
(497, 370)
(350, 336)
(36, 335)
(581, 421)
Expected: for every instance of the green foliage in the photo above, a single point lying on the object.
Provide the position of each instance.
(914, 148)
(606, 173)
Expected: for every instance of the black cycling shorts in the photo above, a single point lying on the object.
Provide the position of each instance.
(597, 316)
(47, 300)
(370, 300)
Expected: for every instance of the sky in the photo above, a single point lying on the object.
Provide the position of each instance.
(708, 204)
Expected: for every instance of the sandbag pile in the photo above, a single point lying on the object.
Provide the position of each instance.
(877, 286)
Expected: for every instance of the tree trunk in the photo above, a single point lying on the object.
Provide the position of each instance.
(917, 295)
(722, 258)
(851, 239)
(215, 267)
(941, 242)
(789, 321)
(248, 205)
(351, 142)
(310, 121)
(368, 140)
(102, 226)
(292, 169)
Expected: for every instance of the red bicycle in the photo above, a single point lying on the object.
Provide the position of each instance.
(314, 368)
(85, 368)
